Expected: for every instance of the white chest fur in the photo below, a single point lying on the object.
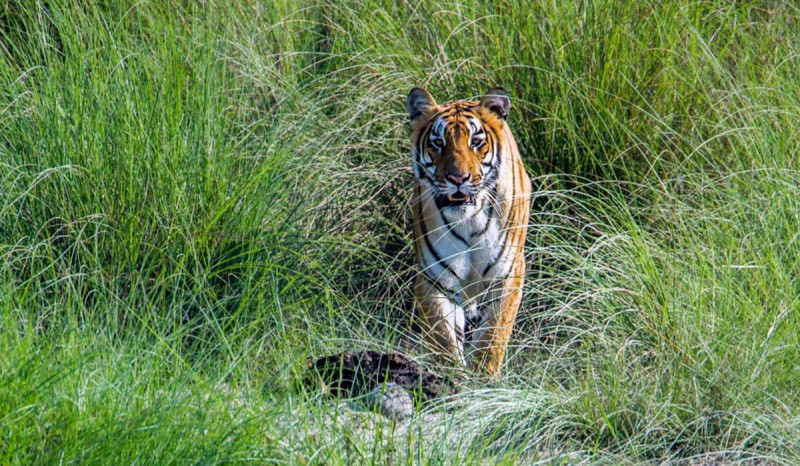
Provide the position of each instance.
(464, 244)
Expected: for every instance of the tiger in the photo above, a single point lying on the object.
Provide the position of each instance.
(470, 210)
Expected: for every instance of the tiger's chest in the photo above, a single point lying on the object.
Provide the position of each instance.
(466, 245)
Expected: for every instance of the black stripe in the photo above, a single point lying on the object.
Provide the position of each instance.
(505, 228)
(508, 224)
(493, 164)
(513, 184)
(498, 256)
(421, 142)
(495, 148)
(433, 251)
(452, 295)
(488, 221)
(450, 228)
(496, 139)
(490, 141)
(422, 172)
(477, 212)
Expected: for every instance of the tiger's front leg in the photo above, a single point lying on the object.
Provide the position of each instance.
(442, 320)
(490, 338)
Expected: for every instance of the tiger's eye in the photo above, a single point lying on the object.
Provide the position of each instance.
(476, 142)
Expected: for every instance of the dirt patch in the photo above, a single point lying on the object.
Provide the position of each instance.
(352, 374)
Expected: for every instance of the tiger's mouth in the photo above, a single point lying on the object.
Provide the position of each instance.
(458, 199)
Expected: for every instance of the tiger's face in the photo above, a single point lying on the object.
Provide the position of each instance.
(455, 146)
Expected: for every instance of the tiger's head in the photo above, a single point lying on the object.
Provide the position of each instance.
(456, 145)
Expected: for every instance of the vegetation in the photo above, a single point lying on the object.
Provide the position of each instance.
(198, 197)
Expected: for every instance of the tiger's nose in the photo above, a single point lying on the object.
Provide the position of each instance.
(458, 178)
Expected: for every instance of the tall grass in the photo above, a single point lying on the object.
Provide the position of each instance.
(197, 197)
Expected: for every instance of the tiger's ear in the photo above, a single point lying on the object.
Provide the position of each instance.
(418, 102)
(497, 101)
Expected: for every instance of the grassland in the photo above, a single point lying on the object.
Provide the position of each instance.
(197, 197)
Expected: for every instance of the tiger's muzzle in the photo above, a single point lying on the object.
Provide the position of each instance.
(458, 199)
(463, 195)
